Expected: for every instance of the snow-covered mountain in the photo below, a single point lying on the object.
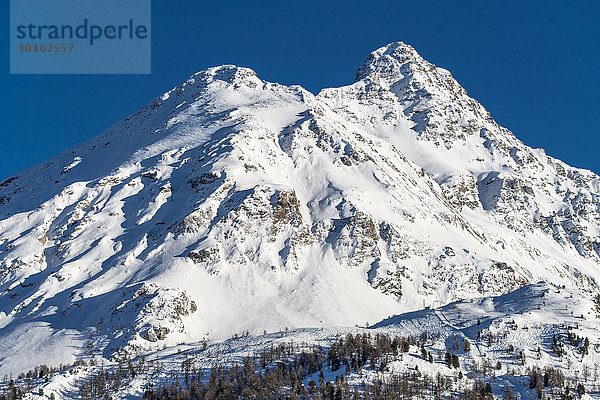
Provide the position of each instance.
(232, 204)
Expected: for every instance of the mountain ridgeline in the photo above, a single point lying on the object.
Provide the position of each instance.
(232, 204)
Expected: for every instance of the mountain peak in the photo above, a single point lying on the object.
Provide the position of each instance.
(227, 74)
(387, 61)
(424, 92)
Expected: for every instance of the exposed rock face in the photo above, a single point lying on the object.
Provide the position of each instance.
(232, 196)
(462, 191)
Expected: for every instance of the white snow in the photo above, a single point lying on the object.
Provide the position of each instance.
(231, 204)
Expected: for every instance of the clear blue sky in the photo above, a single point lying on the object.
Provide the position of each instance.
(533, 65)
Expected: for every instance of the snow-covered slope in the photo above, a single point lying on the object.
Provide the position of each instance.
(500, 341)
(231, 204)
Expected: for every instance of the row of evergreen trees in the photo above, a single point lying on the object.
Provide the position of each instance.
(280, 373)
(298, 371)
